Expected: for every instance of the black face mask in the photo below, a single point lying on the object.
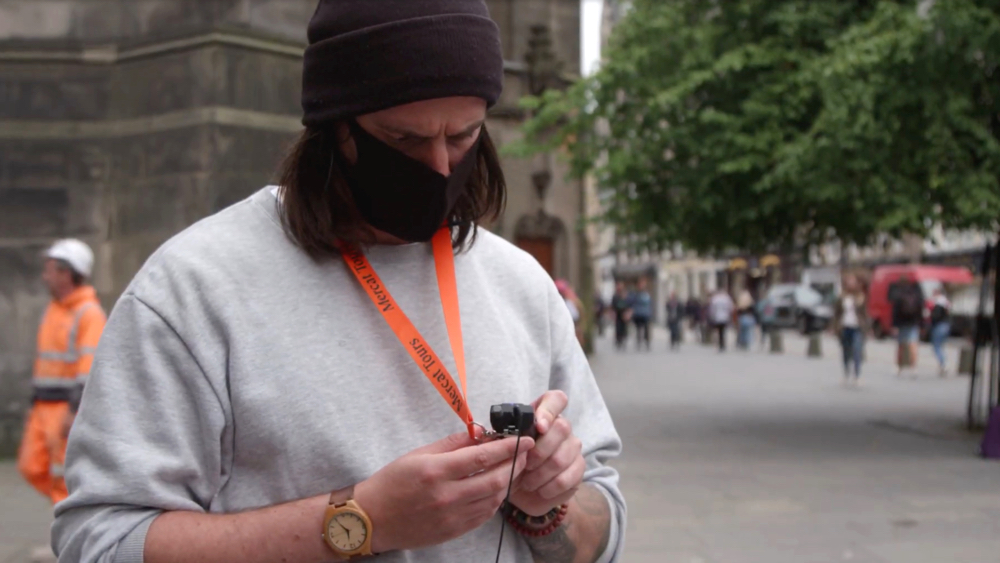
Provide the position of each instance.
(402, 196)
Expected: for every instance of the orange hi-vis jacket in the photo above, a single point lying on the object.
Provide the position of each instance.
(67, 340)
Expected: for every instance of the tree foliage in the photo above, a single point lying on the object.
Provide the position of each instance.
(761, 123)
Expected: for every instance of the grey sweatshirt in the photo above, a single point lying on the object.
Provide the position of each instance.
(236, 373)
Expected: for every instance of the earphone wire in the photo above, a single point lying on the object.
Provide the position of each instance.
(510, 484)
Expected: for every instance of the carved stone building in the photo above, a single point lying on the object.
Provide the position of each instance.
(124, 121)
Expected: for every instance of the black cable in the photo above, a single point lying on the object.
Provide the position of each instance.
(510, 484)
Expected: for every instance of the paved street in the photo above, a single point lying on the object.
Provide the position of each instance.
(24, 517)
(749, 457)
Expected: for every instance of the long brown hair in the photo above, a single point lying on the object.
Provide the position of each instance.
(318, 212)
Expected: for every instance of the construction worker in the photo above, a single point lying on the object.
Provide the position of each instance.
(67, 339)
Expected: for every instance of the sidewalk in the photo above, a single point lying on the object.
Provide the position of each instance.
(749, 457)
(25, 517)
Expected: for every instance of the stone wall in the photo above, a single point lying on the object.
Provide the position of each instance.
(94, 21)
(124, 121)
(124, 154)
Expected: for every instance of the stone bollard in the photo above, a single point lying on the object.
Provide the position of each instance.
(815, 345)
(777, 342)
(965, 361)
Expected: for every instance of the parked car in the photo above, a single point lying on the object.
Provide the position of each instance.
(795, 306)
(965, 308)
(930, 278)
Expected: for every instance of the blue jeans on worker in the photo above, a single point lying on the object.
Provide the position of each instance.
(939, 334)
(852, 341)
(745, 335)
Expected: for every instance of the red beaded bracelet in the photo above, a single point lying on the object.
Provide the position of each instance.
(540, 532)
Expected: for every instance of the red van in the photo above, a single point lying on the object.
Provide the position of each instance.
(930, 278)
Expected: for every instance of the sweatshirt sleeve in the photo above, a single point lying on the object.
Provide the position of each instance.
(146, 440)
(591, 420)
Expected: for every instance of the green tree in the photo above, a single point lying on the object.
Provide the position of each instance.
(753, 124)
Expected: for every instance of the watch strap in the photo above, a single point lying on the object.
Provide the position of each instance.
(341, 496)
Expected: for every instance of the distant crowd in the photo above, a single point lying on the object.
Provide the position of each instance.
(912, 312)
(716, 313)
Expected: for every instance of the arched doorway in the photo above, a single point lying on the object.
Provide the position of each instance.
(544, 237)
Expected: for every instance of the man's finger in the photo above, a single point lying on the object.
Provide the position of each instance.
(566, 481)
(556, 463)
(559, 431)
(549, 406)
(494, 481)
(446, 444)
(468, 461)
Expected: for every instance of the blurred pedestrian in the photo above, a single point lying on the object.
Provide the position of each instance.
(720, 314)
(573, 304)
(940, 327)
(642, 312)
(851, 324)
(766, 314)
(600, 311)
(693, 311)
(907, 314)
(707, 328)
(256, 373)
(67, 339)
(621, 306)
(675, 316)
(746, 320)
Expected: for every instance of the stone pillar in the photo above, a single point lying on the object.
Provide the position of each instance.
(815, 345)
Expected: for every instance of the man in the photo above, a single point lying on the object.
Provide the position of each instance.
(599, 312)
(907, 314)
(766, 310)
(642, 312)
(67, 338)
(300, 376)
(675, 314)
(693, 312)
(621, 305)
(720, 312)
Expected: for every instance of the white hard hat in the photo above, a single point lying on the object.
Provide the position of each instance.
(75, 253)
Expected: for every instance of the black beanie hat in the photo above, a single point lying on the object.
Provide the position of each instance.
(369, 55)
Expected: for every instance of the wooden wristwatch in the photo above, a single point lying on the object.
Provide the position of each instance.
(346, 527)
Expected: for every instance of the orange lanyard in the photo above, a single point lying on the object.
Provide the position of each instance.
(409, 336)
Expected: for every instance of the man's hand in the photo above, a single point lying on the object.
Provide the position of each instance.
(439, 492)
(555, 465)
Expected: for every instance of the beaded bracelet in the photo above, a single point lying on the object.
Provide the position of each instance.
(518, 520)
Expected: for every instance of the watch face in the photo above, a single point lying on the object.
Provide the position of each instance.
(347, 531)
